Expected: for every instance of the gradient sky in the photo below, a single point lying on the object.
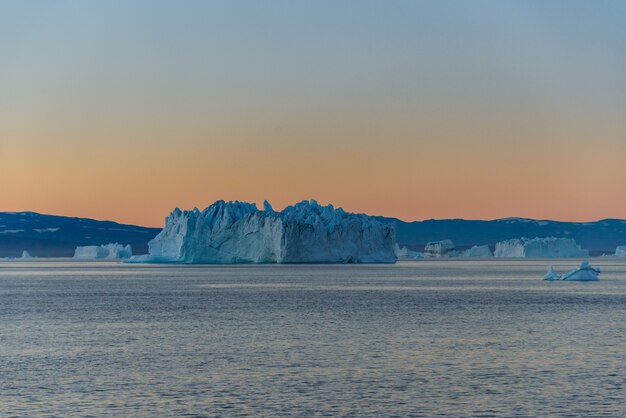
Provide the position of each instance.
(124, 110)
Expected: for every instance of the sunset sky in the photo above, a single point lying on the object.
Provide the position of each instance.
(123, 110)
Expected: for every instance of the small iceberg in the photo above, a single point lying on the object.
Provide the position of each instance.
(551, 274)
(584, 273)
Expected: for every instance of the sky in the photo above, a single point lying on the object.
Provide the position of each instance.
(414, 109)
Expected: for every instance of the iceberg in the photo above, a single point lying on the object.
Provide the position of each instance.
(551, 274)
(26, 254)
(101, 252)
(584, 273)
(550, 247)
(405, 253)
(479, 251)
(437, 249)
(238, 232)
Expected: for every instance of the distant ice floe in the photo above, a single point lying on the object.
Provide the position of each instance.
(443, 248)
(11, 231)
(46, 229)
(406, 254)
(584, 273)
(549, 247)
(103, 252)
(477, 251)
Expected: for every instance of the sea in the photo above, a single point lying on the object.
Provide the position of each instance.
(475, 338)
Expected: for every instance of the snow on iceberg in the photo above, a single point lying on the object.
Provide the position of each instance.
(550, 247)
(100, 252)
(444, 248)
(584, 273)
(405, 253)
(237, 232)
(479, 251)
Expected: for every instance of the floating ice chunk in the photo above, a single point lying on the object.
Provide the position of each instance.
(551, 274)
(584, 273)
(620, 251)
(25, 254)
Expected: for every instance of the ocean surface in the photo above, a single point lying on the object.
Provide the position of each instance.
(426, 338)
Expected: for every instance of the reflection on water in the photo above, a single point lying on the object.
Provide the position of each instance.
(416, 338)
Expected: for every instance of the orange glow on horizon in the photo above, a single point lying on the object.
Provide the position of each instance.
(414, 110)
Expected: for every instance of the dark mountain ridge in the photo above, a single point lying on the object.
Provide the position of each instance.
(57, 236)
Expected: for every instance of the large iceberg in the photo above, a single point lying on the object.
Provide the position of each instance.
(100, 252)
(479, 251)
(550, 247)
(444, 248)
(238, 232)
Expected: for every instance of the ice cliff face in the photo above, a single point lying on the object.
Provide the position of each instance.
(443, 248)
(237, 232)
(550, 247)
(99, 252)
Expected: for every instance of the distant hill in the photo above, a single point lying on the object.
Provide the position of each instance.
(58, 236)
(598, 237)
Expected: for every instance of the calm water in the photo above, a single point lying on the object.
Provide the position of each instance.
(471, 338)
